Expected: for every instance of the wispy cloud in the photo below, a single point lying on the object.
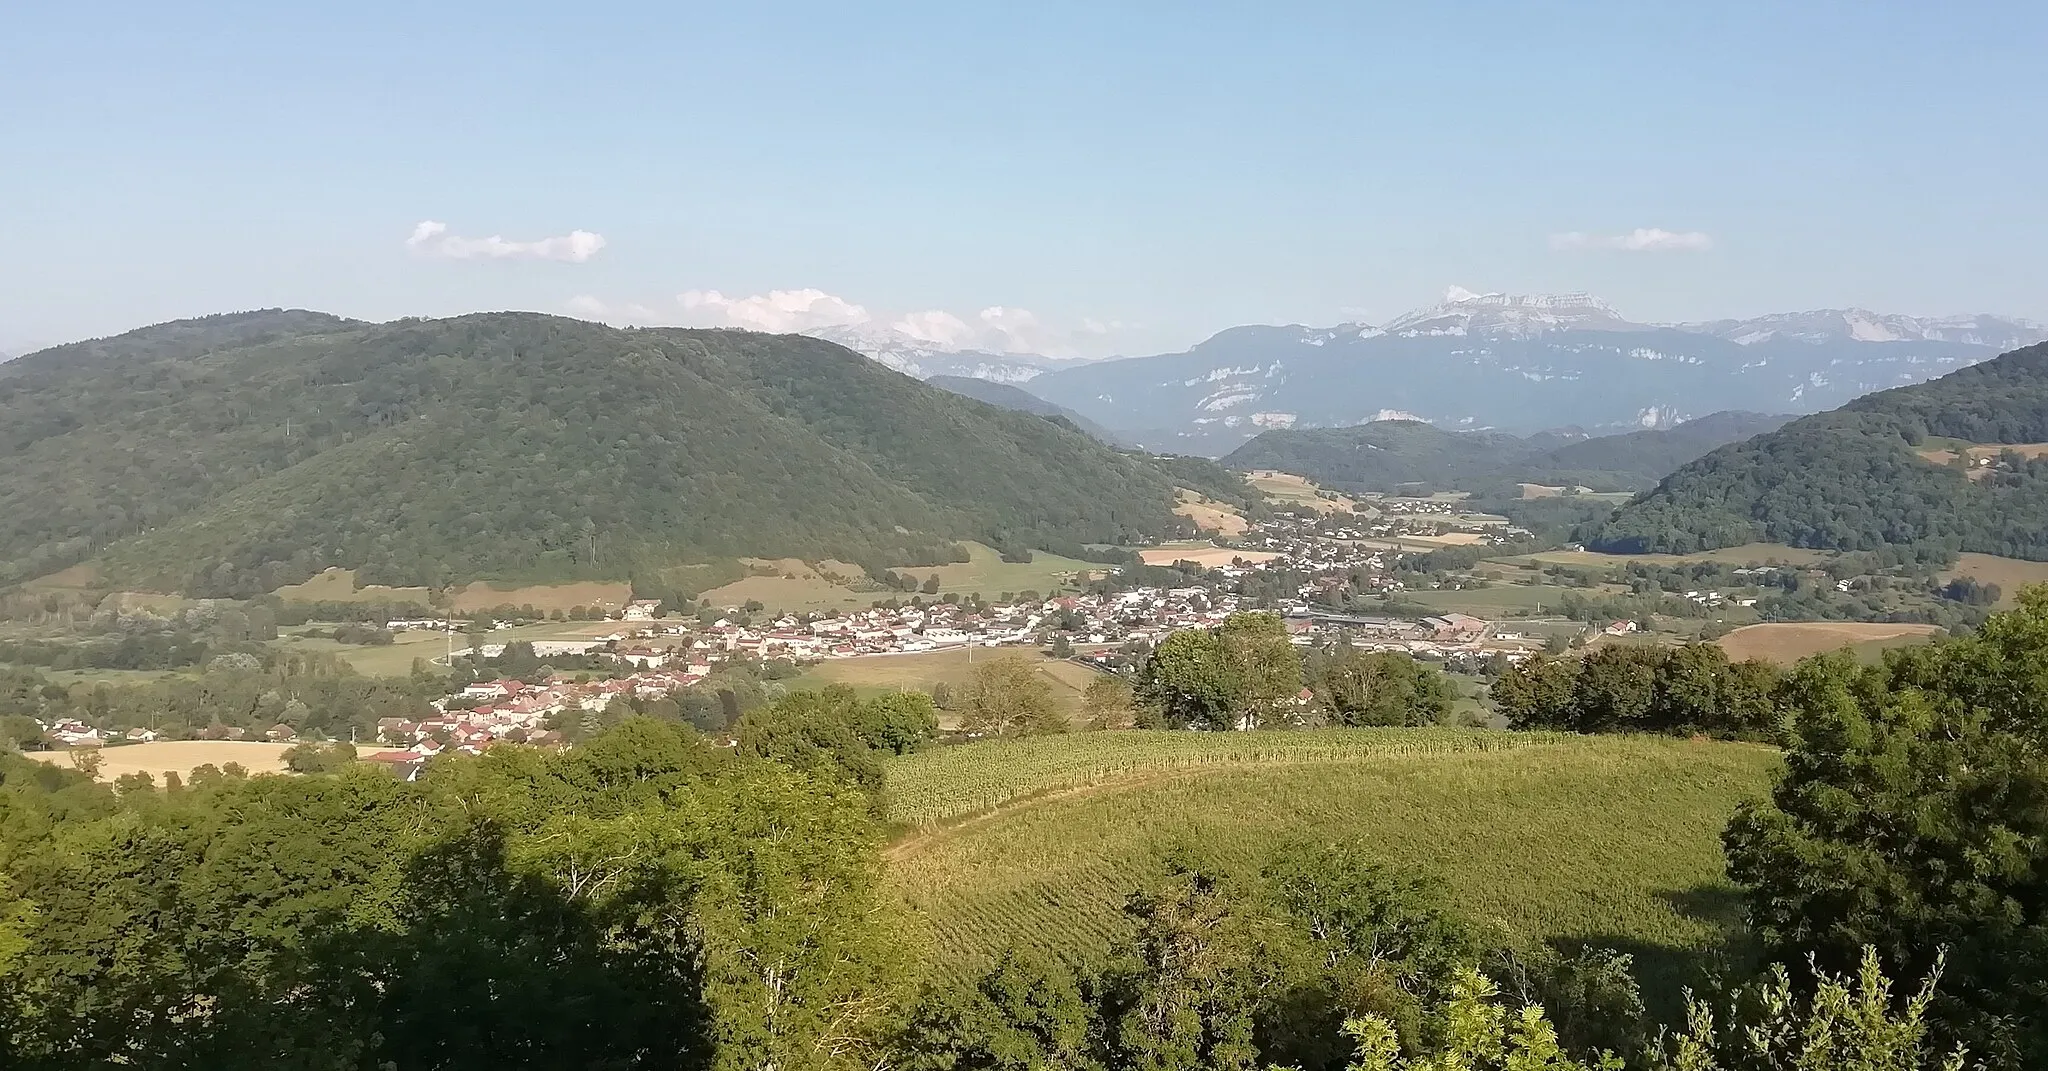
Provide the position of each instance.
(1640, 240)
(430, 238)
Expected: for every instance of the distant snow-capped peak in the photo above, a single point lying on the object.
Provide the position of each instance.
(923, 358)
(1463, 312)
(1862, 325)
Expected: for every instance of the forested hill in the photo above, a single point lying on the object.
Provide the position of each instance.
(1917, 466)
(1386, 454)
(1010, 396)
(512, 446)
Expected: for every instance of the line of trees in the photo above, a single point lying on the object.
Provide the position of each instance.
(1692, 688)
(1247, 673)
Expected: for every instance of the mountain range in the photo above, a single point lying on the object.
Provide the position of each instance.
(1956, 464)
(1517, 363)
(1386, 455)
(233, 454)
(913, 356)
(1009, 396)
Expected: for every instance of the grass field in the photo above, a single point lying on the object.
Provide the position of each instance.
(794, 594)
(544, 597)
(1613, 840)
(1502, 599)
(985, 571)
(1747, 554)
(339, 585)
(181, 756)
(2010, 574)
(1287, 489)
(919, 671)
(1201, 553)
(1788, 642)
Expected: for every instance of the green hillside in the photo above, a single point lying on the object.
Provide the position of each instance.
(1010, 396)
(1614, 840)
(1871, 474)
(227, 456)
(1387, 454)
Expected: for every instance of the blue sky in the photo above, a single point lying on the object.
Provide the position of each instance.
(1091, 177)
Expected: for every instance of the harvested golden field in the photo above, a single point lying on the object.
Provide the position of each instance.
(1210, 514)
(159, 757)
(1609, 839)
(2010, 574)
(1788, 642)
(544, 597)
(1287, 489)
(1204, 554)
(1447, 539)
(339, 585)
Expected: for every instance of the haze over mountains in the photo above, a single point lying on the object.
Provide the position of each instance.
(1519, 363)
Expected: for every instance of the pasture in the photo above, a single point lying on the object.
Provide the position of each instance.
(543, 597)
(339, 585)
(2010, 574)
(986, 572)
(1747, 554)
(1788, 642)
(1287, 489)
(791, 593)
(920, 671)
(180, 756)
(1613, 840)
(1210, 514)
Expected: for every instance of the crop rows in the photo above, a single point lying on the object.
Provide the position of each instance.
(946, 783)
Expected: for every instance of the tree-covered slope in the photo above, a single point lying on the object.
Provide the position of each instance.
(1386, 454)
(1010, 396)
(1853, 478)
(523, 446)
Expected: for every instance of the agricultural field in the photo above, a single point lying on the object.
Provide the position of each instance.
(179, 756)
(1503, 599)
(1747, 554)
(2010, 574)
(1286, 489)
(544, 597)
(791, 593)
(986, 572)
(339, 585)
(1606, 839)
(1205, 554)
(920, 671)
(391, 660)
(1208, 513)
(1788, 642)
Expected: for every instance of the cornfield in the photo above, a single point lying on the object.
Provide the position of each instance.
(946, 783)
(1036, 844)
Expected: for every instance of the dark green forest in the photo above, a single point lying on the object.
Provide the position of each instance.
(230, 455)
(1388, 455)
(1852, 479)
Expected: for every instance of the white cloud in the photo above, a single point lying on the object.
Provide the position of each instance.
(1640, 240)
(779, 311)
(430, 238)
(995, 329)
(938, 327)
